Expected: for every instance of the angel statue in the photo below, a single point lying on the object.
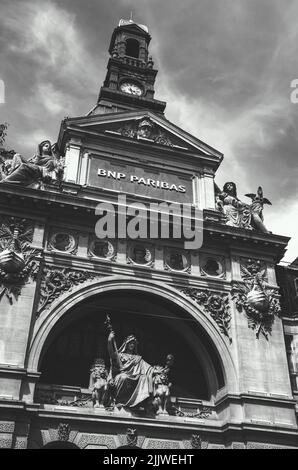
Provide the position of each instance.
(257, 205)
(37, 170)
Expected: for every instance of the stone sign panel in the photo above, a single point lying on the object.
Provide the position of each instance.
(137, 180)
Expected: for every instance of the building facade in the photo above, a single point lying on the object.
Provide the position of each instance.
(203, 362)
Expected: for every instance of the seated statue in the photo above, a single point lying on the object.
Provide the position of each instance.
(132, 382)
(98, 383)
(36, 170)
(131, 376)
(237, 213)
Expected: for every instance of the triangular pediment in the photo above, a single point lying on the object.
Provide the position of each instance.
(145, 127)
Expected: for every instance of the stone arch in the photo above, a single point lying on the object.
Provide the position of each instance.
(49, 318)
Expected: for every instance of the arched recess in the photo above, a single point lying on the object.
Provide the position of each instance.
(46, 328)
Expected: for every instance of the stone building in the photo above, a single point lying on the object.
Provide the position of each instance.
(211, 368)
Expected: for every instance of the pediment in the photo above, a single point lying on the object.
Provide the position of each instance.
(145, 127)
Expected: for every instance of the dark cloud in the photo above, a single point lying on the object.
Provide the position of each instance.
(225, 68)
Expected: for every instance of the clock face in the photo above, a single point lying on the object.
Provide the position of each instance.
(131, 88)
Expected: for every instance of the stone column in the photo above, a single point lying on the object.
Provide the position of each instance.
(72, 161)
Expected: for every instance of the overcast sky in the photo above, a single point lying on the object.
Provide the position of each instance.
(225, 69)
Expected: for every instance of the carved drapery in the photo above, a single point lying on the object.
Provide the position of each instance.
(216, 305)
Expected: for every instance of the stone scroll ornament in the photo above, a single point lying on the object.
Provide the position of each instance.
(252, 296)
(18, 264)
(239, 214)
(216, 305)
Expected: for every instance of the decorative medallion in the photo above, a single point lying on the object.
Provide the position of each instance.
(177, 260)
(212, 266)
(104, 249)
(260, 303)
(63, 242)
(141, 254)
(216, 305)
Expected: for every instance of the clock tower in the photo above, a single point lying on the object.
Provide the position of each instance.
(130, 78)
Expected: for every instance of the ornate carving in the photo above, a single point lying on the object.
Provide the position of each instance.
(217, 305)
(202, 412)
(162, 138)
(131, 437)
(63, 431)
(17, 258)
(98, 383)
(145, 129)
(260, 303)
(198, 442)
(56, 281)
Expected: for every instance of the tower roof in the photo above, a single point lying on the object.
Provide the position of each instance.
(124, 22)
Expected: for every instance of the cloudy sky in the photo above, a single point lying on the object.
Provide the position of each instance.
(225, 69)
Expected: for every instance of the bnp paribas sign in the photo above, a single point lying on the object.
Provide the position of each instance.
(142, 180)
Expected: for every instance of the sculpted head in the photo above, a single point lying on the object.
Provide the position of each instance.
(45, 148)
(230, 189)
(130, 345)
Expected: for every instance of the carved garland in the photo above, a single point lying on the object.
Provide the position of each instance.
(216, 305)
(56, 281)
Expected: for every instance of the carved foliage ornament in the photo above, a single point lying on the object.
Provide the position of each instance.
(63, 432)
(146, 129)
(252, 295)
(131, 437)
(217, 305)
(17, 259)
(56, 281)
(198, 442)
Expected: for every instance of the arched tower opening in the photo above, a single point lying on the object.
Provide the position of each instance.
(132, 48)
